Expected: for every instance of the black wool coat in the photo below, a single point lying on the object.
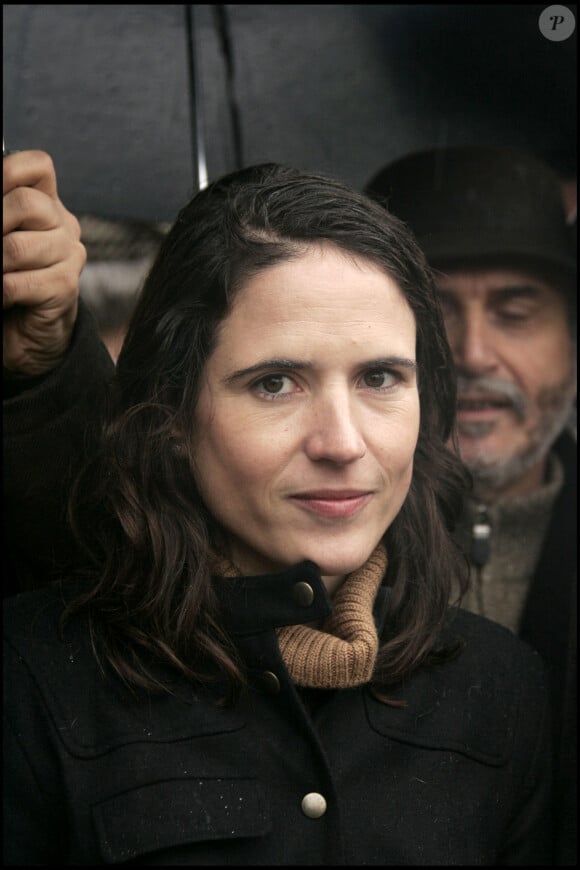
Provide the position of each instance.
(93, 775)
(549, 624)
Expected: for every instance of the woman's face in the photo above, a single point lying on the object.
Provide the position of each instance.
(308, 416)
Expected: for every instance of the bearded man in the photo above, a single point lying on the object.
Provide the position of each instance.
(492, 224)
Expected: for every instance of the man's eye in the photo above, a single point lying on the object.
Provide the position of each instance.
(513, 314)
(379, 379)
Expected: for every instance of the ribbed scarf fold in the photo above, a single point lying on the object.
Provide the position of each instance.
(342, 653)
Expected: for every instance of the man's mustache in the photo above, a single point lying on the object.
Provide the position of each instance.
(493, 386)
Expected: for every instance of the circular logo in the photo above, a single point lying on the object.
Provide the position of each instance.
(557, 23)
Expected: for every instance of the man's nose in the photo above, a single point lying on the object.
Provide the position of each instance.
(472, 343)
(334, 432)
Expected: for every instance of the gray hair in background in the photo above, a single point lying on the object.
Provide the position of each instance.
(119, 256)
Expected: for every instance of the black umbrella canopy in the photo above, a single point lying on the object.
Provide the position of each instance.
(108, 91)
(138, 105)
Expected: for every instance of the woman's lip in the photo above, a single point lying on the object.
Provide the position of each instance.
(333, 504)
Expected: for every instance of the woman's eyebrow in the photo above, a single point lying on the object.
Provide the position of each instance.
(302, 365)
(390, 362)
(266, 365)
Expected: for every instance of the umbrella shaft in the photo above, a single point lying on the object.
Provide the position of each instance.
(199, 156)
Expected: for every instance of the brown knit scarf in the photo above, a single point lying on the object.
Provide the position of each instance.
(342, 653)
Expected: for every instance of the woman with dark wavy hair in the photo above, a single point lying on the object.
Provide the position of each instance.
(258, 663)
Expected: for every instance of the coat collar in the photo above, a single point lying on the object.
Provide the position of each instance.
(297, 595)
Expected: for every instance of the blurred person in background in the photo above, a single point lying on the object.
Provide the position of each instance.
(67, 280)
(493, 225)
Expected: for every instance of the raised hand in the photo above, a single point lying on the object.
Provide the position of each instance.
(43, 257)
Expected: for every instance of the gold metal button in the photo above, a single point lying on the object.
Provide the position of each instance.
(303, 594)
(313, 805)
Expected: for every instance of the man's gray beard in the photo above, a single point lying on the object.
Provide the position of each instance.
(556, 411)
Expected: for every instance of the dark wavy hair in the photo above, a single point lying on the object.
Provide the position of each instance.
(136, 507)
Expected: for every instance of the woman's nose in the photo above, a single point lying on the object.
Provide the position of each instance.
(334, 434)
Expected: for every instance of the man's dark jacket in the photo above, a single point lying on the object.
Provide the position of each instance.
(549, 624)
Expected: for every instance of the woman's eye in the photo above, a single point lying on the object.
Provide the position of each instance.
(379, 379)
(274, 385)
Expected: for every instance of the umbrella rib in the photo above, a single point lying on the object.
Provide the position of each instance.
(223, 27)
